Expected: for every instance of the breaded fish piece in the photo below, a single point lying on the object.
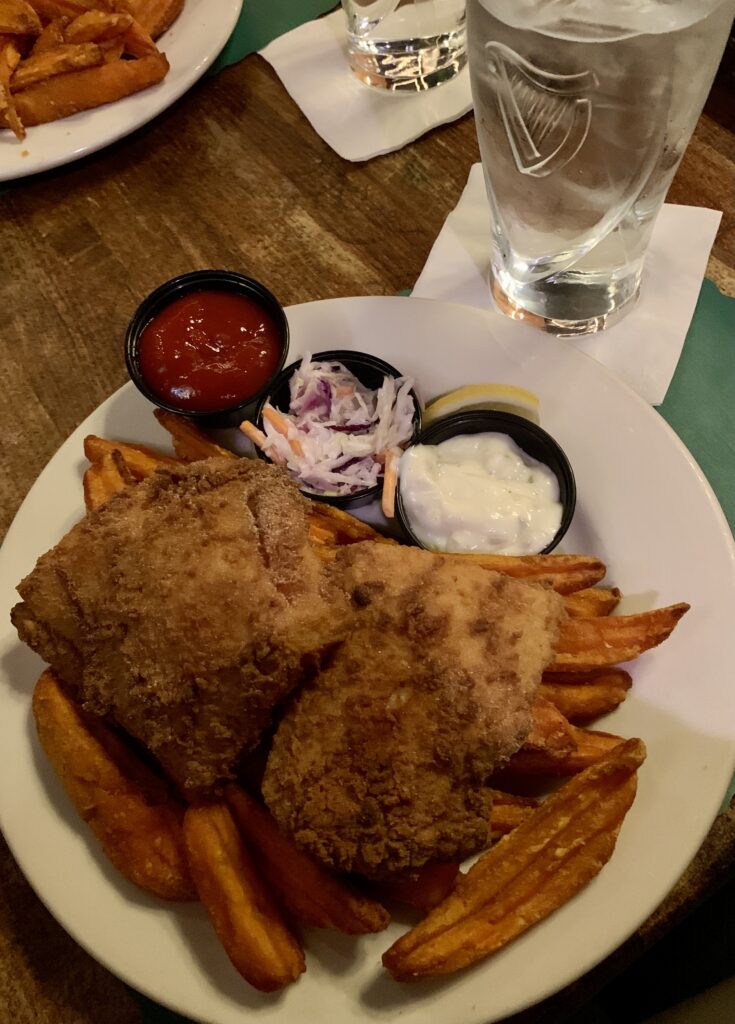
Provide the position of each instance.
(185, 610)
(380, 763)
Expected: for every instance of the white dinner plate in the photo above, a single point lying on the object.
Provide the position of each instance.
(643, 506)
(191, 44)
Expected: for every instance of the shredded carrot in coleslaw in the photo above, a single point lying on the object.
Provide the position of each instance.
(337, 433)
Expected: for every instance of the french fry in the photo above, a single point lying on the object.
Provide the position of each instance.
(51, 38)
(140, 460)
(138, 43)
(97, 27)
(324, 552)
(527, 875)
(112, 50)
(247, 921)
(341, 526)
(137, 40)
(67, 57)
(156, 16)
(308, 891)
(71, 93)
(606, 640)
(593, 601)
(110, 6)
(423, 890)
(608, 674)
(564, 573)
(105, 478)
(591, 746)
(581, 697)
(50, 10)
(127, 807)
(318, 534)
(509, 811)
(190, 443)
(550, 731)
(9, 60)
(18, 18)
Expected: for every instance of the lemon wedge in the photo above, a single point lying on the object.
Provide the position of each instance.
(503, 397)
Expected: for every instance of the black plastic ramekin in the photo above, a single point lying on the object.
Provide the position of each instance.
(530, 438)
(197, 281)
(371, 372)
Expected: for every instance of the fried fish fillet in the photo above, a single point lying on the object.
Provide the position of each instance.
(380, 764)
(185, 610)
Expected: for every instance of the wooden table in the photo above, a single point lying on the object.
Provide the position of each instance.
(233, 176)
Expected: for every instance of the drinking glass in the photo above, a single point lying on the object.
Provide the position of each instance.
(583, 110)
(406, 45)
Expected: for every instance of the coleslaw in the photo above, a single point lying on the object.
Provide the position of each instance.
(338, 433)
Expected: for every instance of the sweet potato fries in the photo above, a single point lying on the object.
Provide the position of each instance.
(553, 854)
(252, 878)
(59, 57)
(129, 807)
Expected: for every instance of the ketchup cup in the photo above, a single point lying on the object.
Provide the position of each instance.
(207, 345)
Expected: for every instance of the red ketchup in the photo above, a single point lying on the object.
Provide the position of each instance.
(209, 350)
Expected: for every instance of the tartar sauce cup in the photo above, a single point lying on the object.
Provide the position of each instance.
(533, 440)
(145, 356)
(370, 371)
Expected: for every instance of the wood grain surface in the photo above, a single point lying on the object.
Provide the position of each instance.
(233, 176)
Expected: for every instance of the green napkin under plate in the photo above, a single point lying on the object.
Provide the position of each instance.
(700, 402)
(262, 21)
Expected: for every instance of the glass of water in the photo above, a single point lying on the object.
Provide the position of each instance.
(583, 110)
(406, 45)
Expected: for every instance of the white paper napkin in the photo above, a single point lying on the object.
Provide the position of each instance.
(357, 120)
(645, 346)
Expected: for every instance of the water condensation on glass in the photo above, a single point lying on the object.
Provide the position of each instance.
(583, 111)
(406, 44)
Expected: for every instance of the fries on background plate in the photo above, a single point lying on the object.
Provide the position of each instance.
(59, 57)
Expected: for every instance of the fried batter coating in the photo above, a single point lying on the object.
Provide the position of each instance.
(185, 610)
(188, 608)
(381, 762)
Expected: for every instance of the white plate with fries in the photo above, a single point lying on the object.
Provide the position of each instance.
(89, 66)
(644, 508)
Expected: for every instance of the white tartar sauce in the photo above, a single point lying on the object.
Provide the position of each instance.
(479, 492)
